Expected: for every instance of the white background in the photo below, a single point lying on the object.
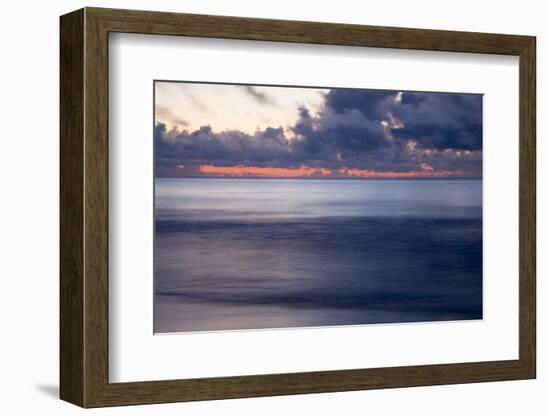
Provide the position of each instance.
(136, 355)
(29, 218)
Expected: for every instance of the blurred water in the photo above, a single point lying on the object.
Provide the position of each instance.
(270, 253)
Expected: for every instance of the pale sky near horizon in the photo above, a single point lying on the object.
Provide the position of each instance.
(245, 108)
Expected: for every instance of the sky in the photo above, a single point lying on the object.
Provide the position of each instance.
(224, 130)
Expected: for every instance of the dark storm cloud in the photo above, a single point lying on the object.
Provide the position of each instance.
(441, 121)
(434, 120)
(373, 104)
(224, 148)
(361, 129)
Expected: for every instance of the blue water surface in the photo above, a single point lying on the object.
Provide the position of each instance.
(276, 253)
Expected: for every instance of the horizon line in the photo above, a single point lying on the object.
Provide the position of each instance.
(325, 177)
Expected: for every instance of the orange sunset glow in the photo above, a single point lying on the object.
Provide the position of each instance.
(306, 171)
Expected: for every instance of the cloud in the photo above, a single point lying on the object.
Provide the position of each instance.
(196, 102)
(355, 130)
(167, 116)
(260, 96)
(433, 120)
(441, 121)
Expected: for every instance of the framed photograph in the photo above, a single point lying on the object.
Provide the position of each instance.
(256, 207)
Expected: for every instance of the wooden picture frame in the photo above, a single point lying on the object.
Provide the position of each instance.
(84, 207)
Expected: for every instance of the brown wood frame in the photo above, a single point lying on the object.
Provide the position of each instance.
(84, 208)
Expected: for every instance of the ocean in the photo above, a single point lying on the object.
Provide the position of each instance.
(236, 254)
